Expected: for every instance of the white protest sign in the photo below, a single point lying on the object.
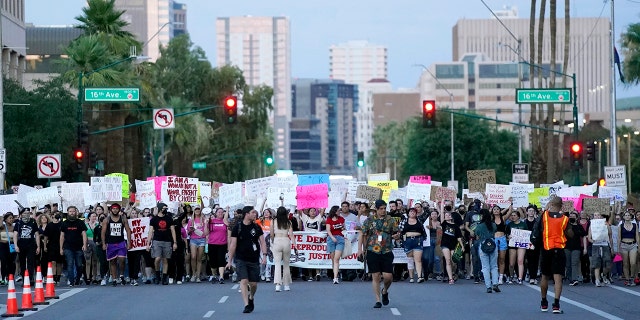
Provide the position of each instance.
(23, 192)
(340, 185)
(139, 233)
(8, 203)
(353, 189)
(520, 193)
(312, 252)
(427, 240)
(205, 188)
(599, 230)
(145, 194)
(73, 194)
(230, 195)
(613, 193)
(498, 194)
(290, 181)
(335, 198)
(277, 197)
(182, 189)
(378, 177)
(256, 188)
(418, 191)
(104, 189)
(39, 198)
(400, 193)
(520, 239)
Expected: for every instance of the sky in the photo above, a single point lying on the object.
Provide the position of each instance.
(414, 31)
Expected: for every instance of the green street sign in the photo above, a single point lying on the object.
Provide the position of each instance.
(548, 95)
(199, 165)
(111, 94)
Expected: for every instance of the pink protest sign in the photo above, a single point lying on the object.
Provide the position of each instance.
(420, 179)
(157, 182)
(312, 196)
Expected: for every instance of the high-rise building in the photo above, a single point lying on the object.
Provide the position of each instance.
(46, 46)
(323, 126)
(13, 39)
(589, 55)
(179, 19)
(357, 62)
(151, 21)
(366, 115)
(261, 48)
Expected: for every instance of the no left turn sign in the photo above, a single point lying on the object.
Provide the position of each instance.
(163, 118)
(48, 166)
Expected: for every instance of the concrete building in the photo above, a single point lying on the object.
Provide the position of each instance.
(261, 48)
(45, 46)
(13, 39)
(323, 130)
(357, 62)
(151, 21)
(365, 114)
(179, 19)
(395, 106)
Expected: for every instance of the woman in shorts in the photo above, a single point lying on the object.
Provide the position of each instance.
(414, 234)
(196, 230)
(335, 240)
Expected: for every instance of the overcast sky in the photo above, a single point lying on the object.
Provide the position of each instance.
(414, 31)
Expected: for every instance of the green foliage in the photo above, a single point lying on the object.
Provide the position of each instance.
(631, 52)
(46, 126)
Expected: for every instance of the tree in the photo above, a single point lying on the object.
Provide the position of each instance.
(631, 52)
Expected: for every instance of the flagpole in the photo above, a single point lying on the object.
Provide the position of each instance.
(614, 142)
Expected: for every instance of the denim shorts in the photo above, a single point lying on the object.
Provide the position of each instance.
(413, 243)
(501, 243)
(335, 246)
(197, 242)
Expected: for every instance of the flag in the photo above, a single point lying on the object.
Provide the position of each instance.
(616, 60)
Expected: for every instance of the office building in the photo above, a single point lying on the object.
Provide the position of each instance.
(46, 46)
(357, 62)
(261, 48)
(13, 39)
(151, 21)
(179, 19)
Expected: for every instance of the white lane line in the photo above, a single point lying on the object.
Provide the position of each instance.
(235, 286)
(208, 314)
(62, 296)
(635, 293)
(395, 311)
(223, 299)
(599, 312)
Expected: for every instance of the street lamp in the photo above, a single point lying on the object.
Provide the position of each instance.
(628, 136)
(451, 106)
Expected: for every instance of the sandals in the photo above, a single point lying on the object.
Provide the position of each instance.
(451, 281)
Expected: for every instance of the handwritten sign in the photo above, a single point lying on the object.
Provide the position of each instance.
(309, 179)
(139, 233)
(8, 204)
(369, 193)
(204, 189)
(567, 206)
(312, 196)
(104, 189)
(182, 189)
(385, 186)
(73, 194)
(353, 189)
(418, 191)
(277, 197)
(520, 239)
(420, 179)
(43, 196)
(125, 182)
(520, 194)
(592, 205)
(378, 177)
(157, 182)
(534, 197)
(400, 193)
(498, 194)
(478, 179)
(146, 194)
(257, 188)
(230, 195)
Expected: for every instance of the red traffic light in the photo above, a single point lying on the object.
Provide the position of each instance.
(428, 105)
(576, 148)
(230, 102)
(78, 154)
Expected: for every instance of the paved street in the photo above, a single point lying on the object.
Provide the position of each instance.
(323, 300)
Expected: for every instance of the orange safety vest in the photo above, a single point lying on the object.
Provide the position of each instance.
(553, 231)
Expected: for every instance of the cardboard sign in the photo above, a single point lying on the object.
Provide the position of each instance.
(369, 193)
(567, 206)
(386, 187)
(592, 205)
(478, 179)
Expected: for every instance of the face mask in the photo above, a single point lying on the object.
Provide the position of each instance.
(86, 215)
(572, 220)
(447, 208)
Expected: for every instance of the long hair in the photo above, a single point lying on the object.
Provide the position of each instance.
(487, 218)
(282, 217)
(333, 212)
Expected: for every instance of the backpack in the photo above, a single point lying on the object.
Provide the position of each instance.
(488, 245)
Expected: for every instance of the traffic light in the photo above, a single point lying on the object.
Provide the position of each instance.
(602, 182)
(93, 160)
(231, 109)
(78, 157)
(83, 133)
(360, 161)
(591, 151)
(428, 113)
(268, 159)
(576, 151)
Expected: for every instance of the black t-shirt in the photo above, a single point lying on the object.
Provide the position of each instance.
(26, 231)
(161, 228)
(248, 241)
(52, 232)
(450, 234)
(473, 218)
(73, 234)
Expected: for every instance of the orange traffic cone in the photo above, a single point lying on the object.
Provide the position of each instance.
(39, 296)
(12, 301)
(51, 285)
(27, 301)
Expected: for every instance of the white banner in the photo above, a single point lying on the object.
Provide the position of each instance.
(230, 195)
(145, 194)
(73, 195)
(520, 239)
(104, 189)
(312, 252)
(417, 191)
(23, 192)
(39, 198)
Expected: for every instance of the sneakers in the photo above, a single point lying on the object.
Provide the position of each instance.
(378, 305)
(598, 284)
(468, 277)
(519, 281)
(607, 281)
(438, 278)
(247, 309)
(287, 288)
(165, 280)
(489, 290)
(310, 279)
(411, 280)
(148, 281)
(103, 282)
(318, 277)
(221, 280)
(178, 282)
(574, 283)
(496, 289)
(556, 309)
(122, 280)
(170, 280)
(251, 305)
(262, 278)
(278, 288)
(385, 298)
(336, 281)
(420, 280)
(267, 279)
(451, 281)
(544, 305)
(476, 280)
(114, 283)
(500, 282)
(134, 282)
(19, 278)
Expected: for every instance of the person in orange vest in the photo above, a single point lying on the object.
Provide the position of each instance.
(550, 232)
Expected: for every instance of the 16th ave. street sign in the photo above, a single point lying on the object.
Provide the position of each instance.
(111, 94)
(549, 95)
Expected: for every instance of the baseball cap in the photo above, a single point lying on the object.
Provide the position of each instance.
(161, 205)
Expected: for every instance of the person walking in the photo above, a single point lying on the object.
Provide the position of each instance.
(73, 243)
(26, 239)
(281, 239)
(551, 232)
(484, 233)
(247, 245)
(115, 243)
(376, 239)
(161, 242)
(335, 240)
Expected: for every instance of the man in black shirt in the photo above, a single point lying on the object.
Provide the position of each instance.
(73, 242)
(26, 239)
(161, 241)
(246, 245)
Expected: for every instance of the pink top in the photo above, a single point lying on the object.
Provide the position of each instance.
(217, 232)
(198, 225)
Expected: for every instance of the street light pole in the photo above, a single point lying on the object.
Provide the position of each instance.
(612, 68)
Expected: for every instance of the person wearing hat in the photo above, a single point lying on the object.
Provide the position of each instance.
(247, 246)
(115, 243)
(376, 239)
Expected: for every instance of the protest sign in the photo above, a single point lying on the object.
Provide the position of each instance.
(599, 230)
(442, 193)
(230, 195)
(567, 206)
(400, 193)
(104, 189)
(520, 239)
(369, 193)
(353, 189)
(534, 197)
(312, 252)
(498, 194)
(378, 177)
(39, 198)
(309, 179)
(257, 188)
(420, 179)
(312, 196)
(277, 197)
(73, 195)
(139, 233)
(477, 179)
(385, 186)
(182, 189)
(124, 178)
(592, 205)
(520, 194)
(289, 181)
(204, 189)
(157, 182)
(145, 194)
(8, 203)
(419, 191)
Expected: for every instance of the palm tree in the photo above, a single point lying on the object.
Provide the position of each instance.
(631, 52)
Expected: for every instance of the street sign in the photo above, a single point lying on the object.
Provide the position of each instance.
(520, 172)
(111, 94)
(163, 118)
(199, 165)
(546, 95)
(48, 166)
(3, 160)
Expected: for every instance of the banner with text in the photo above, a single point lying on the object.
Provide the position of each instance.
(139, 233)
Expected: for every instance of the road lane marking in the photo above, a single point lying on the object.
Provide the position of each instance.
(599, 312)
(208, 314)
(63, 296)
(235, 286)
(635, 293)
(223, 299)
(395, 311)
